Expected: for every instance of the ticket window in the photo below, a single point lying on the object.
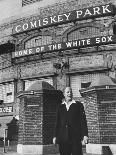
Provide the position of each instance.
(81, 81)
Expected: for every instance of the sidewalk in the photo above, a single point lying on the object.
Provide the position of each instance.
(15, 153)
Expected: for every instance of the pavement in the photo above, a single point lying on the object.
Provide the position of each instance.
(15, 153)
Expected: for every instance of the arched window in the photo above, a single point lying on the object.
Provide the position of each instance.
(84, 32)
(38, 41)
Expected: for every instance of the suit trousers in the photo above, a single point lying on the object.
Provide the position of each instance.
(70, 148)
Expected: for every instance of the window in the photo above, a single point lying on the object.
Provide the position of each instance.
(38, 41)
(28, 83)
(78, 82)
(27, 2)
(7, 92)
(85, 32)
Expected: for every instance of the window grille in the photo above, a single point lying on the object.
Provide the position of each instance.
(86, 32)
(38, 41)
(7, 92)
(27, 2)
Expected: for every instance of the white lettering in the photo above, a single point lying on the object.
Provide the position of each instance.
(88, 41)
(83, 41)
(3, 110)
(45, 21)
(75, 43)
(33, 24)
(53, 19)
(18, 28)
(10, 109)
(97, 40)
(16, 54)
(67, 16)
(59, 46)
(103, 39)
(54, 47)
(20, 53)
(79, 13)
(25, 26)
(69, 44)
(37, 50)
(30, 51)
(105, 9)
(96, 11)
(25, 52)
(39, 21)
(60, 18)
(87, 12)
(109, 38)
(50, 47)
(6, 109)
(42, 48)
(79, 42)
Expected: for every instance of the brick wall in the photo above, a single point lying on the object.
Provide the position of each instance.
(37, 118)
(21, 125)
(91, 109)
(100, 107)
(30, 127)
(107, 116)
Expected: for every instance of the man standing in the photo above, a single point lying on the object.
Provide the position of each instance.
(71, 126)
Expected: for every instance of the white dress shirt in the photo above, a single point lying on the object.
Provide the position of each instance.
(68, 104)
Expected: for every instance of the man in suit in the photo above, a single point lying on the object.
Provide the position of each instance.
(71, 126)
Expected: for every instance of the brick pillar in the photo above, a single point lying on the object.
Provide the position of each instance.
(37, 114)
(100, 107)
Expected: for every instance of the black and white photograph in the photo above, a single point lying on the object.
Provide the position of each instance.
(57, 77)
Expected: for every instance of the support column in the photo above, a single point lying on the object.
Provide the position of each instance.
(37, 114)
(100, 107)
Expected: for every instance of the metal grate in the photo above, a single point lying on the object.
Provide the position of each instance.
(27, 2)
(86, 32)
(38, 41)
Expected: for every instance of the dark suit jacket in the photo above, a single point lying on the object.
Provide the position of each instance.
(71, 125)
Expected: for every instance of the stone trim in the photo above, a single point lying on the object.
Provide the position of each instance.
(98, 148)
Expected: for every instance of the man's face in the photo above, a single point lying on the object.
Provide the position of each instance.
(68, 93)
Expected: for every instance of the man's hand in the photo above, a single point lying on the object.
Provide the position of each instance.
(85, 140)
(54, 140)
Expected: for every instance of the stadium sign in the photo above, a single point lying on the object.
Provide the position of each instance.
(75, 44)
(72, 16)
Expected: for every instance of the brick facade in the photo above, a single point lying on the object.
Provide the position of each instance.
(100, 105)
(80, 61)
(91, 109)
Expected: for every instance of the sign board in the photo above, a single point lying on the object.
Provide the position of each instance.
(8, 109)
(72, 16)
(75, 44)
